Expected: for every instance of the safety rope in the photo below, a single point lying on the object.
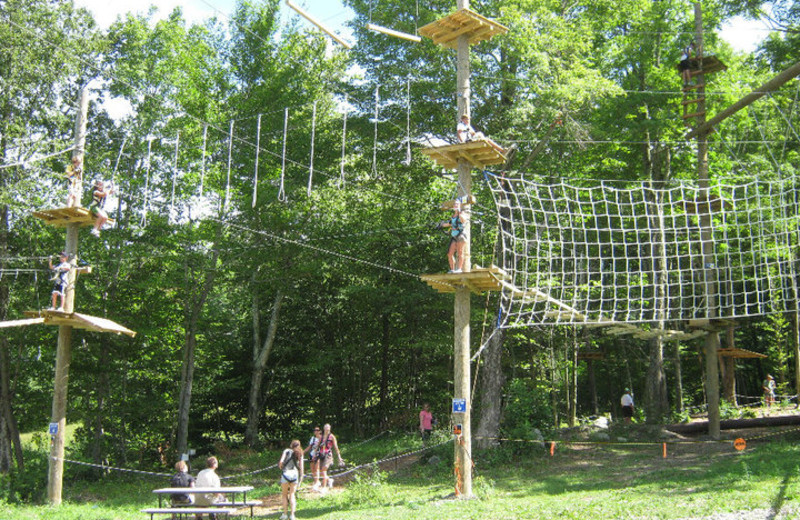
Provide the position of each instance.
(311, 155)
(255, 172)
(281, 192)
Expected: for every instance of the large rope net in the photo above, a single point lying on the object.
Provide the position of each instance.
(604, 252)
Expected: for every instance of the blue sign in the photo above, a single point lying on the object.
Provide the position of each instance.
(53, 428)
(459, 406)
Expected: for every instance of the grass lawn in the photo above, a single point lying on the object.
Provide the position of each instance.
(586, 481)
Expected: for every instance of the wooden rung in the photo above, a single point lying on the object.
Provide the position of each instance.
(690, 101)
(687, 88)
(694, 114)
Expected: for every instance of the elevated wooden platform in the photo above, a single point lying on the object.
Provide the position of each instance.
(705, 65)
(79, 321)
(480, 154)
(740, 353)
(62, 217)
(479, 280)
(445, 31)
(712, 325)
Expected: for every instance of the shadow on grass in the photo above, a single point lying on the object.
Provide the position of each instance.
(780, 498)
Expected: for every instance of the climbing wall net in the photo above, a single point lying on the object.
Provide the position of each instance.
(599, 251)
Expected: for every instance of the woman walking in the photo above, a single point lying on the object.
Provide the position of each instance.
(291, 465)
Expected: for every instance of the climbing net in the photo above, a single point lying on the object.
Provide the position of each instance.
(598, 251)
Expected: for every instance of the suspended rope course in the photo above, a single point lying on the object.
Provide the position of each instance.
(603, 253)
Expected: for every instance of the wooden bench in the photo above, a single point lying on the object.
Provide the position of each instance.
(248, 503)
(189, 511)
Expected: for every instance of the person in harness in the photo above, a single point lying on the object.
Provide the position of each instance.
(291, 466)
(74, 177)
(458, 237)
(99, 194)
(60, 280)
(328, 444)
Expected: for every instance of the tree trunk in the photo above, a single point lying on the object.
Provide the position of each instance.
(592, 386)
(383, 404)
(573, 380)
(728, 371)
(194, 308)
(492, 380)
(10, 446)
(656, 402)
(676, 362)
(261, 355)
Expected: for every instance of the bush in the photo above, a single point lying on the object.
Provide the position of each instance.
(29, 484)
(527, 410)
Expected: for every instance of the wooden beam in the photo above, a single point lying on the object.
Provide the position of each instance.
(767, 87)
(322, 27)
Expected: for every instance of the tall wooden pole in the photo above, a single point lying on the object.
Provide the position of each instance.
(461, 338)
(64, 349)
(710, 274)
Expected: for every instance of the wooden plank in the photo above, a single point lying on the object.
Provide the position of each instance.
(79, 321)
(62, 217)
(692, 101)
(464, 22)
(20, 323)
(694, 114)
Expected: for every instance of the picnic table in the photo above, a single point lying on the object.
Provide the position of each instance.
(224, 508)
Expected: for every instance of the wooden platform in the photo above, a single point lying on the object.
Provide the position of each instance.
(62, 217)
(479, 153)
(464, 22)
(739, 353)
(479, 280)
(79, 321)
(705, 65)
(712, 325)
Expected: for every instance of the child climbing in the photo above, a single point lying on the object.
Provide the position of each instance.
(458, 237)
(60, 279)
(99, 194)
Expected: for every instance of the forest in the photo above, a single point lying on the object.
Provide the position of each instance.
(274, 215)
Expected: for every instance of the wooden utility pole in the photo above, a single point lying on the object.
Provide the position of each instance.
(461, 336)
(58, 418)
(710, 274)
(459, 30)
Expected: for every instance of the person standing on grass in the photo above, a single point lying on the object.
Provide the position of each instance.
(312, 449)
(627, 406)
(327, 446)
(425, 423)
(291, 465)
(768, 386)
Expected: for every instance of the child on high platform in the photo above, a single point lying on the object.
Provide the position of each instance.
(74, 176)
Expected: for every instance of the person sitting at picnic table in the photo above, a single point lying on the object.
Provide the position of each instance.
(181, 479)
(208, 478)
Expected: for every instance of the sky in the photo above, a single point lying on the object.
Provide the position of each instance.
(742, 34)
(330, 12)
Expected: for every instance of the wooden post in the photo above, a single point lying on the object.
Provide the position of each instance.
(64, 348)
(710, 274)
(461, 339)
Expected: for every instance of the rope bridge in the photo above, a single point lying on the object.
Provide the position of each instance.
(602, 252)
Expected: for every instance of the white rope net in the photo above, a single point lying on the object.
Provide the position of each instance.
(603, 252)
